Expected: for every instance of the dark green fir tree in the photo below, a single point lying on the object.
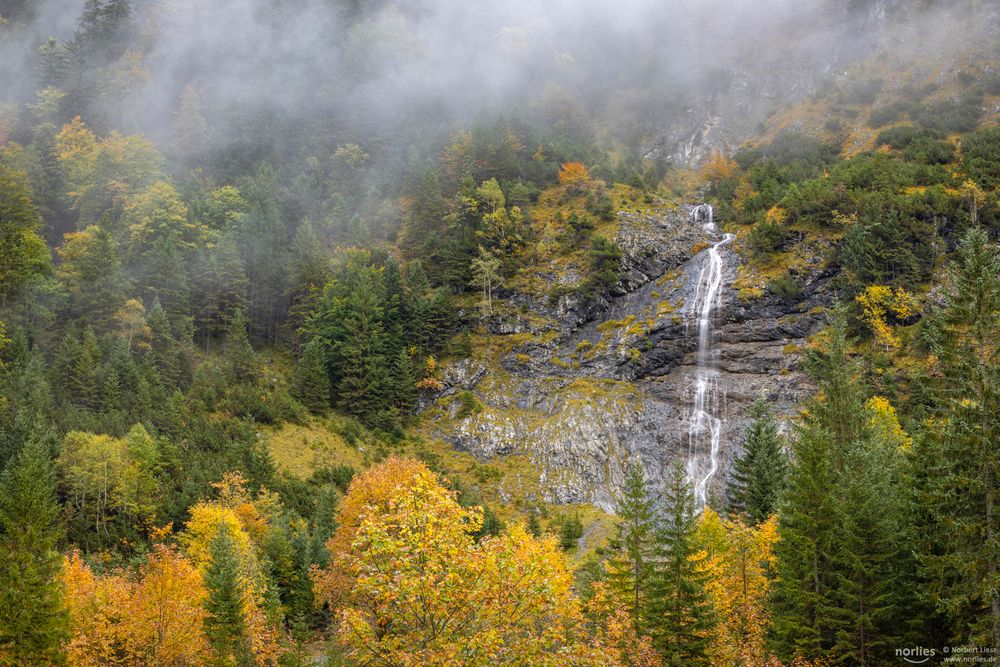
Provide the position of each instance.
(759, 472)
(33, 622)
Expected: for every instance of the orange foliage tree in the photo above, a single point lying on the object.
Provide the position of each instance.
(153, 619)
(574, 174)
(615, 631)
(718, 168)
(370, 489)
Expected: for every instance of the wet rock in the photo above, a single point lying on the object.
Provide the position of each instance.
(615, 384)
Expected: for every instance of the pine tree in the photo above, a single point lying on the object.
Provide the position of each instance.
(419, 321)
(404, 382)
(807, 519)
(309, 261)
(679, 612)
(164, 347)
(241, 362)
(33, 622)
(86, 377)
(91, 271)
(534, 524)
(759, 472)
(631, 562)
(364, 378)
(963, 495)
(842, 553)
(224, 291)
(570, 531)
(869, 603)
(166, 281)
(311, 384)
(23, 255)
(226, 625)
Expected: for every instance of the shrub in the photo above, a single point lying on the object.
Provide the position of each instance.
(338, 475)
(981, 157)
(901, 136)
(605, 266)
(890, 113)
(785, 287)
(468, 405)
(767, 237)
(929, 151)
(580, 227)
(601, 206)
(861, 92)
(961, 115)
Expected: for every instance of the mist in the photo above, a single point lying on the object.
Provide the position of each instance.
(445, 61)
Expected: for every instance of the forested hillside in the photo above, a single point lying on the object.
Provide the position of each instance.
(632, 334)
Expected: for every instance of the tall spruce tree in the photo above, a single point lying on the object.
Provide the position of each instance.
(759, 472)
(226, 624)
(633, 546)
(311, 383)
(868, 555)
(679, 613)
(241, 362)
(804, 595)
(33, 622)
(963, 494)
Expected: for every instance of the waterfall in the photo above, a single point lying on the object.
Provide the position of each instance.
(705, 422)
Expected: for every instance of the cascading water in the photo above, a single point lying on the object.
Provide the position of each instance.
(705, 422)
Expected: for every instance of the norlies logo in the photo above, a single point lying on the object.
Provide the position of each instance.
(916, 655)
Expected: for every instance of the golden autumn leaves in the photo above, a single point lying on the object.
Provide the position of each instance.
(411, 586)
(407, 584)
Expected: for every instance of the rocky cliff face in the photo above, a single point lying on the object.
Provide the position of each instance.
(582, 388)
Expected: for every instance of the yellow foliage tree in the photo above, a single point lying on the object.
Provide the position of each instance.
(615, 633)
(879, 301)
(739, 558)
(248, 522)
(885, 423)
(102, 173)
(421, 591)
(204, 524)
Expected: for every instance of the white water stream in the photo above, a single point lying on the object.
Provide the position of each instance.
(706, 422)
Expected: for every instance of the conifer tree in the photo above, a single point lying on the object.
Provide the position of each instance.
(962, 496)
(23, 255)
(33, 622)
(404, 382)
(164, 347)
(361, 390)
(310, 265)
(869, 605)
(807, 511)
(86, 378)
(241, 362)
(843, 545)
(679, 612)
(759, 472)
(633, 546)
(534, 524)
(226, 625)
(91, 271)
(166, 281)
(311, 384)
